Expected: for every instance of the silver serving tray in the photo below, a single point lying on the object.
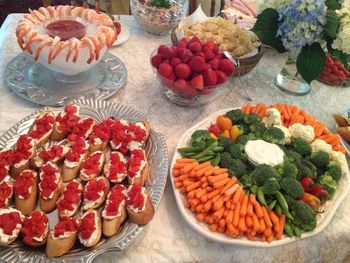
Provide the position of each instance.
(157, 154)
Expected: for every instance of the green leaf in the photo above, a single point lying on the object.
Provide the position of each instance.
(311, 61)
(266, 28)
(332, 24)
(333, 4)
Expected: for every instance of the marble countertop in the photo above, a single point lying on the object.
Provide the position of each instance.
(168, 238)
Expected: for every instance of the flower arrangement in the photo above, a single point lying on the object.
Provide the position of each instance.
(307, 29)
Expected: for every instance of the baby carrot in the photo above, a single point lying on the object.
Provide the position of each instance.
(268, 232)
(218, 214)
(221, 171)
(207, 206)
(187, 182)
(185, 160)
(237, 195)
(282, 221)
(193, 186)
(252, 198)
(243, 211)
(249, 221)
(212, 170)
(229, 184)
(219, 184)
(214, 193)
(178, 184)
(229, 217)
(176, 172)
(201, 166)
(258, 210)
(194, 201)
(275, 221)
(231, 229)
(228, 204)
(231, 190)
(202, 192)
(222, 222)
(201, 216)
(256, 225)
(219, 203)
(192, 193)
(266, 217)
(262, 225)
(215, 178)
(250, 208)
(199, 208)
(214, 227)
(236, 215)
(241, 224)
(188, 167)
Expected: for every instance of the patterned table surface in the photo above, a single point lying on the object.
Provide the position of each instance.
(168, 238)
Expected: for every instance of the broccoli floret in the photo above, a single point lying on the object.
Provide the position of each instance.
(274, 135)
(252, 118)
(237, 152)
(244, 138)
(292, 187)
(320, 159)
(246, 181)
(264, 172)
(304, 216)
(334, 171)
(235, 166)
(328, 183)
(258, 129)
(201, 138)
(301, 146)
(225, 142)
(271, 186)
(288, 169)
(293, 156)
(236, 116)
(306, 168)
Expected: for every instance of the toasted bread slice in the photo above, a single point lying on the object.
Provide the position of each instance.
(24, 164)
(344, 133)
(48, 205)
(111, 227)
(93, 240)
(88, 204)
(16, 227)
(69, 174)
(59, 247)
(142, 179)
(340, 120)
(26, 206)
(75, 187)
(41, 139)
(93, 164)
(36, 217)
(142, 218)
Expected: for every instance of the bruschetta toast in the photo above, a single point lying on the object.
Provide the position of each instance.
(62, 238)
(92, 166)
(6, 160)
(24, 151)
(90, 229)
(35, 229)
(115, 168)
(101, 135)
(119, 136)
(82, 129)
(139, 132)
(137, 167)
(74, 159)
(6, 193)
(50, 186)
(42, 128)
(11, 221)
(65, 121)
(95, 192)
(139, 205)
(69, 202)
(25, 191)
(55, 154)
(114, 212)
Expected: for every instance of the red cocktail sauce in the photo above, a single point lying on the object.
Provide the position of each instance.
(66, 29)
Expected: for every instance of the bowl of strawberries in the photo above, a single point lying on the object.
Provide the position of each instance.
(334, 73)
(192, 73)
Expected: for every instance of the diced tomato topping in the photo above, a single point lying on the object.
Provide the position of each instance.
(42, 125)
(115, 197)
(3, 173)
(23, 182)
(135, 197)
(23, 149)
(87, 225)
(34, 226)
(7, 158)
(102, 130)
(6, 191)
(71, 196)
(51, 154)
(120, 136)
(81, 129)
(137, 133)
(9, 221)
(48, 179)
(91, 165)
(66, 224)
(69, 119)
(77, 150)
(94, 187)
(134, 162)
(117, 166)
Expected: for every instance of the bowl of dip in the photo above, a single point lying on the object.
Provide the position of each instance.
(262, 152)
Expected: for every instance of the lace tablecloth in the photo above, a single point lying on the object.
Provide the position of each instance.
(168, 238)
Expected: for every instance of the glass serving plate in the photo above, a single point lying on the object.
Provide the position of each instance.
(157, 154)
(36, 83)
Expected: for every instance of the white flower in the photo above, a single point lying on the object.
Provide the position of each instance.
(263, 4)
(342, 42)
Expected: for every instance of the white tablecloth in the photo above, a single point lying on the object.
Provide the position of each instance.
(168, 238)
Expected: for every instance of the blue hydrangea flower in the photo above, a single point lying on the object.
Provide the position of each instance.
(301, 23)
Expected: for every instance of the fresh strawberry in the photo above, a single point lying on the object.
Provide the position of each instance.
(194, 39)
(165, 69)
(208, 66)
(161, 48)
(168, 53)
(209, 54)
(210, 44)
(214, 63)
(227, 66)
(195, 47)
(200, 54)
(183, 71)
(190, 92)
(210, 77)
(156, 60)
(186, 55)
(174, 62)
(220, 76)
(198, 82)
(197, 64)
(182, 44)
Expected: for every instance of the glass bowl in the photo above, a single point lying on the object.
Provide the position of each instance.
(189, 96)
(156, 20)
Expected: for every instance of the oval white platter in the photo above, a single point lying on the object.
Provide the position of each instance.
(157, 154)
(123, 36)
(323, 219)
